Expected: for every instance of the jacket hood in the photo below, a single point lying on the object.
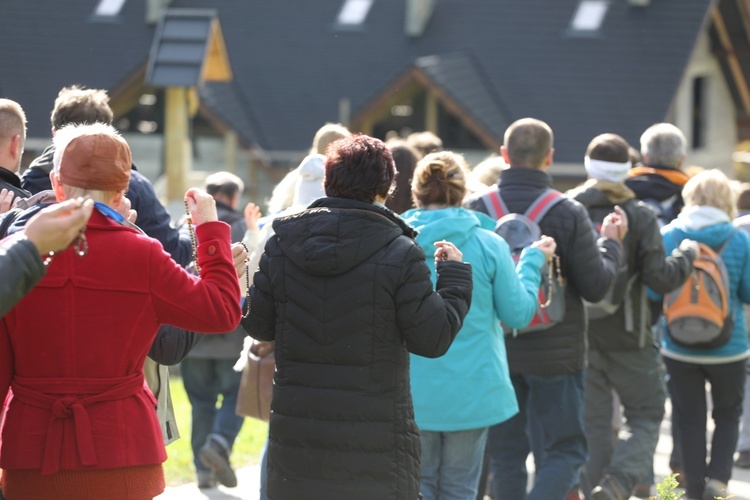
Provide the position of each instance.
(334, 235)
(454, 224)
(595, 193)
(703, 223)
(673, 175)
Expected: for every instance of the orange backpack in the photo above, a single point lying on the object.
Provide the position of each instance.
(697, 313)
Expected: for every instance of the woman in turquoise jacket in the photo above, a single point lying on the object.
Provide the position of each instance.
(707, 218)
(458, 396)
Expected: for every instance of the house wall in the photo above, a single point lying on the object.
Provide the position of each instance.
(720, 120)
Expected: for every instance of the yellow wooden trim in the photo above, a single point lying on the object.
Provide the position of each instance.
(216, 67)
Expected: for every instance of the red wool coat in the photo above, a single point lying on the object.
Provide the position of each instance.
(73, 349)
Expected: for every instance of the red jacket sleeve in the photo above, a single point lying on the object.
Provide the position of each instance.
(209, 304)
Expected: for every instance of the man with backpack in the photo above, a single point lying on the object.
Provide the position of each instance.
(622, 355)
(660, 179)
(547, 365)
(659, 182)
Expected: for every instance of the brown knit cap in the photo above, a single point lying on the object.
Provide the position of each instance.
(96, 161)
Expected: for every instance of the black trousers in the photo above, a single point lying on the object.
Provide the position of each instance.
(688, 388)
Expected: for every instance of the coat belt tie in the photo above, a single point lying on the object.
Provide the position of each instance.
(33, 391)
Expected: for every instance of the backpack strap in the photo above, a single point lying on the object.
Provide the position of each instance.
(724, 243)
(539, 207)
(494, 203)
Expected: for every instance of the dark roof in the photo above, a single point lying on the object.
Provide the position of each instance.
(292, 65)
(47, 45)
(179, 48)
(461, 77)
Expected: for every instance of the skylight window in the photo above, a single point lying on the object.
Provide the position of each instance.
(109, 8)
(589, 15)
(354, 12)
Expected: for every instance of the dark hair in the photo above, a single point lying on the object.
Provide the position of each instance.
(743, 198)
(359, 167)
(405, 158)
(609, 147)
(82, 106)
(440, 178)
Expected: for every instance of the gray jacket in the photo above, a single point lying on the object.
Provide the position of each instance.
(20, 267)
(229, 345)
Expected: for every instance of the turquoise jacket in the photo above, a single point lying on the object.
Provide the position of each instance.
(736, 256)
(469, 387)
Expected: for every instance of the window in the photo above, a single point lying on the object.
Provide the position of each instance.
(109, 8)
(589, 16)
(354, 12)
(698, 134)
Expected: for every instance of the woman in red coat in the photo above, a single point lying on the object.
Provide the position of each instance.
(81, 423)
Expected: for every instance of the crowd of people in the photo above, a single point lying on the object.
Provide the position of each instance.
(432, 324)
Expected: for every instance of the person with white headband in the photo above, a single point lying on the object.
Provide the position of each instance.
(622, 358)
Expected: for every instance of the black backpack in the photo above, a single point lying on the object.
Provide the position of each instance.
(619, 293)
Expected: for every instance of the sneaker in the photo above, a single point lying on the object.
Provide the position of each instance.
(714, 489)
(608, 489)
(743, 460)
(644, 491)
(574, 494)
(206, 479)
(215, 455)
(681, 481)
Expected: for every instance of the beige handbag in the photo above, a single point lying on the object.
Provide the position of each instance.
(256, 385)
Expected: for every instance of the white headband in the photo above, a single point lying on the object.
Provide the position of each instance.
(606, 170)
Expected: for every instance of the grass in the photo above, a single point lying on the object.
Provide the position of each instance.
(178, 469)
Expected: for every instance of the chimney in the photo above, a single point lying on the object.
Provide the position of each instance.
(155, 9)
(418, 13)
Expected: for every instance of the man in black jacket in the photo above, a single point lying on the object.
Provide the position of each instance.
(85, 106)
(659, 182)
(622, 354)
(12, 139)
(547, 366)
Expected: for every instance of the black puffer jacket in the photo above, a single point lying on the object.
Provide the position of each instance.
(344, 291)
(587, 264)
(644, 250)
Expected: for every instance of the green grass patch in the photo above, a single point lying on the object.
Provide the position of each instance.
(178, 469)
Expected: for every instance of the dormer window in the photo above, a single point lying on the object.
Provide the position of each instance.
(109, 8)
(353, 12)
(589, 16)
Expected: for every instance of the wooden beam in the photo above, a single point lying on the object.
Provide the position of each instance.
(177, 149)
(732, 61)
(744, 8)
(431, 113)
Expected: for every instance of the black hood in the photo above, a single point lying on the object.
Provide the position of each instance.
(334, 235)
